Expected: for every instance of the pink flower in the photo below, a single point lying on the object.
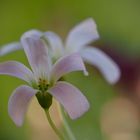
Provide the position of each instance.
(44, 79)
(78, 40)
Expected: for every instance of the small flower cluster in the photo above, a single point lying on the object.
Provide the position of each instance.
(50, 59)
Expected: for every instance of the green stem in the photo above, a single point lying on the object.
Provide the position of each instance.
(58, 133)
(65, 124)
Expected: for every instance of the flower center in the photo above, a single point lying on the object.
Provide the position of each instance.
(43, 85)
(43, 97)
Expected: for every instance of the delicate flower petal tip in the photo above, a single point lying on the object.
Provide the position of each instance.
(37, 54)
(11, 47)
(55, 43)
(18, 103)
(82, 34)
(33, 33)
(74, 102)
(104, 63)
(16, 69)
(67, 64)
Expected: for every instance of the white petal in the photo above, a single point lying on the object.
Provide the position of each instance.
(14, 46)
(74, 102)
(18, 103)
(67, 64)
(82, 34)
(104, 63)
(55, 43)
(11, 47)
(36, 52)
(33, 33)
(16, 69)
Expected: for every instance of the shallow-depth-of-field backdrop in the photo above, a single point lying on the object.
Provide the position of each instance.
(115, 109)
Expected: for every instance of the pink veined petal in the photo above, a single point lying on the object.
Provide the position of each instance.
(104, 63)
(18, 103)
(66, 65)
(55, 43)
(74, 102)
(16, 69)
(11, 47)
(37, 53)
(82, 34)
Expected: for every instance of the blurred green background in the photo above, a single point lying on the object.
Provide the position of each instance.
(118, 25)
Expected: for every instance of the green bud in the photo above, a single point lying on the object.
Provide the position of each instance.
(44, 99)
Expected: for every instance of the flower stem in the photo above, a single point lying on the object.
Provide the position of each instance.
(58, 133)
(65, 124)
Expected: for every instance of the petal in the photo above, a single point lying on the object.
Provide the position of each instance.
(67, 64)
(55, 43)
(36, 52)
(18, 103)
(33, 33)
(16, 69)
(82, 34)
(104, 63)
(74, 102)
(11, 47)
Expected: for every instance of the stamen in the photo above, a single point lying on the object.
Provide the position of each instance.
(42, 85)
